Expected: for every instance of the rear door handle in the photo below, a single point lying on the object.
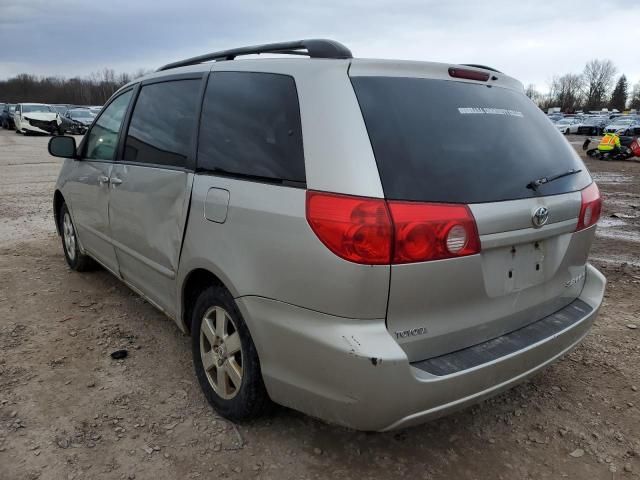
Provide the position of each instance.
(115, 181)
(102, 179)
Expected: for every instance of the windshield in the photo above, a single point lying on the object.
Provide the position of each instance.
(60, 108)
(565, 121)
(622, 121)
(36, 108)
(80, 114)
(458, 142)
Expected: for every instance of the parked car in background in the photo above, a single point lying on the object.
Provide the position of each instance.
(633, 129)
(554, 117)
(7, 116)
(77, 120)
(62, 109)
(568, 125)
(592, 125)
(37, 118)
(620, 124)
(95, 109)
(385, 271)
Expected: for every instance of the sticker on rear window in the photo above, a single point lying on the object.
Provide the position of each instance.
(489, 111)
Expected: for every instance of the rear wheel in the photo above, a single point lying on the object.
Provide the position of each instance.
(75, 258)
(225, 358)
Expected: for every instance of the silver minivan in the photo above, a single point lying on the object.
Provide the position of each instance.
(372, 242)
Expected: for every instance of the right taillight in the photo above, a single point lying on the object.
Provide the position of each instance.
(374, 231)
(432, 231)
(590, 208)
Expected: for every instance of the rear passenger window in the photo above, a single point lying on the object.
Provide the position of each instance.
(163, 123)
(251, 126)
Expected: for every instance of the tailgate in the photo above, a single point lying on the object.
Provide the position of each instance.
(521, 275)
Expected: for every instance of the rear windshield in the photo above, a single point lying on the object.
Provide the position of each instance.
(456, 142)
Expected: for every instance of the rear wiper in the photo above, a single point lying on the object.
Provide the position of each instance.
(534, 184)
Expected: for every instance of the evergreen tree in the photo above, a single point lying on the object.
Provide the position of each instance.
(619, 95)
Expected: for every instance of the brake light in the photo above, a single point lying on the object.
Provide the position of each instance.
(354, 228)
(431, 231)
(591, 207)
(376, 232)
(468, 74)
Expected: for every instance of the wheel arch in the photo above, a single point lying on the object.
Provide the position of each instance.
(193, 284)
(58, 200)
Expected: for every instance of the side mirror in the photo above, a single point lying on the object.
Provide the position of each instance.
(64, 147)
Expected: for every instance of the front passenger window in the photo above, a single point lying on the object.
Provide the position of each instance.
(102, 139)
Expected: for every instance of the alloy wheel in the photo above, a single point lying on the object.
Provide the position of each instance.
(69, 235)
(221, 352)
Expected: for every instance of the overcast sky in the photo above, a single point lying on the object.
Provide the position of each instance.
(530, 40)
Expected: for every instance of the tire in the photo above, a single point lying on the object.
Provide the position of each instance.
(75, 259)
(566, 132)
(232, 381)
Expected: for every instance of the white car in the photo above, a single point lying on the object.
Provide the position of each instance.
(620, 124)
(568, 125)
(37, 118)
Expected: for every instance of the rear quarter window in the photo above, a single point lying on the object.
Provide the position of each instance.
(250, 126)
(459, 142)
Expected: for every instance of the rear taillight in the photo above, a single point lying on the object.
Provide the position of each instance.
(590, 208)
(354, 228)
(376, 232)
(430, 231)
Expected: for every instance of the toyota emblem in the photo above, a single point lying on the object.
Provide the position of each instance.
(540, 216)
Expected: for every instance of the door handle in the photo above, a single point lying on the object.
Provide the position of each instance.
(115, 181)
(102, 179)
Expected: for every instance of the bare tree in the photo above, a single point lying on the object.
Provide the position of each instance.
(598, 77)
(566, 91)
(93, 90)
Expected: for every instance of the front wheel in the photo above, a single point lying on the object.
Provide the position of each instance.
(225, 357)
(75, 258)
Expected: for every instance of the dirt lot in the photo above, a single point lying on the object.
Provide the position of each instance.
(68, 411)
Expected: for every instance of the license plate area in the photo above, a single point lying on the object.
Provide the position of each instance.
(526, 266)
(514, 268)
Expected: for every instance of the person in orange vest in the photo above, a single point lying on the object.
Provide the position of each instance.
(609, 143)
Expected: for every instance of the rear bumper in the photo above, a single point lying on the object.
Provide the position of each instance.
(353, 373)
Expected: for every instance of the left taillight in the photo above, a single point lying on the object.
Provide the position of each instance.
(590, 208)
(357, 229)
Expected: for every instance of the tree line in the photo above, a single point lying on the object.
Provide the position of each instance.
(593, 89)
(92, 90)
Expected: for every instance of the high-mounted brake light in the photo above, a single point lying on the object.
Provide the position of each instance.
(377, 232)
(468, 74)
(590, 208)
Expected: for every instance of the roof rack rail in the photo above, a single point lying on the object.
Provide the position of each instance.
(484, 67)
(314, 48)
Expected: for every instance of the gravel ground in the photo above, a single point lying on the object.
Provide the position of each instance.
(68, 411)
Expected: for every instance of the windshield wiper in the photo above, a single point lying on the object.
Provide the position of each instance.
(534, 184)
